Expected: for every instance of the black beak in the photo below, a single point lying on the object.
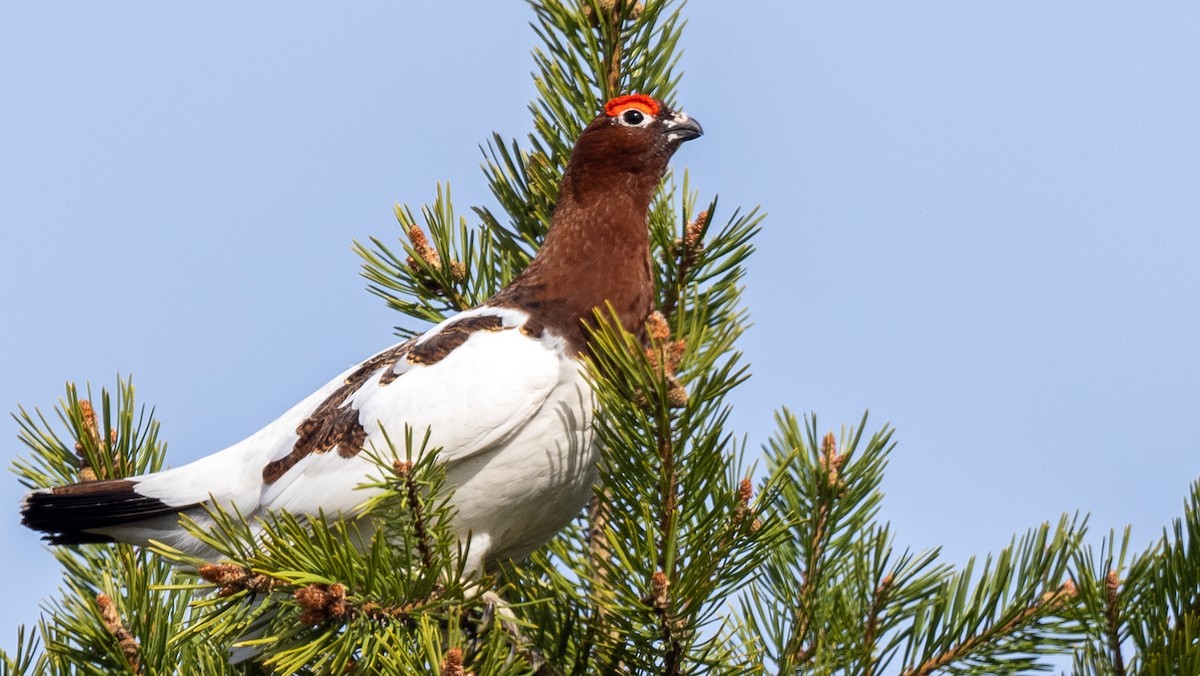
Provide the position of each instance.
(682, 128)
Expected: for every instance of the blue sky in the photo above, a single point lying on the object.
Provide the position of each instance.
(984, 225)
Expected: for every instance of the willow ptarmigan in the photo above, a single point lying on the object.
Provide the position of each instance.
(498, 387)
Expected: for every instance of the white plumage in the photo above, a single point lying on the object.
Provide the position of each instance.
(510, 412)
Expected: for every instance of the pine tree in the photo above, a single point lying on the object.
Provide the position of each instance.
(691, 558)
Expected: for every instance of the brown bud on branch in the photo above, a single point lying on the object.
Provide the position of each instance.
(423, 249)
(832, 462)
(91, 430)
(613, 9)
(234, 578)
(112, 622)
(657, 328)
(659, 584)
(745, 493)
(321, 602)
(690, 247)
(452, 663)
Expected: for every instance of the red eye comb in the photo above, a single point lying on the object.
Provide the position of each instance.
(637, 101)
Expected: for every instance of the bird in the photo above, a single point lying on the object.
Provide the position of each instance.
(499, 388)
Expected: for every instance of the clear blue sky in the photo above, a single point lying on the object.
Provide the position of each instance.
(984, 225)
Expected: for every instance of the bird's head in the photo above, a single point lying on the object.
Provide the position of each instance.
(635, 133)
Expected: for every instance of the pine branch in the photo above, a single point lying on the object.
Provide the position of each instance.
(704, 528)
(1112, 617)
(686, 251)
(445, 266)
(1050, 603)
(1139, 612)
(827, 499)
(117, 612)
(116, 441)
(321, 592)
(27, 658)
(1015, 612)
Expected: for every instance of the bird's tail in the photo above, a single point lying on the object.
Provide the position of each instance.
(91, 511)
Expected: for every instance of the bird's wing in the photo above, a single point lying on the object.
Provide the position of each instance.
(472, 382)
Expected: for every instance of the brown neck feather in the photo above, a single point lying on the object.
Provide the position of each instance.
(597, 250)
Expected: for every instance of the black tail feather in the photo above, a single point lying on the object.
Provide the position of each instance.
(68, 513)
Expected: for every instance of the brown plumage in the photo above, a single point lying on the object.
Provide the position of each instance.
(598, 246)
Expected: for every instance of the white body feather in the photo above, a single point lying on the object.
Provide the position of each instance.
(512, 415)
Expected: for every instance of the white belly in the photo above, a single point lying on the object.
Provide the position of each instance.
(514, 498)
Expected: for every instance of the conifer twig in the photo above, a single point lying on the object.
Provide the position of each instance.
(92, 431)
(831, 462)
(658, 332)
(427, 258)
(599, 554)
(664, 355)
(114, 625)
(688, 250)
(879, 599)
(1112, 616)
(659, 600)
(112, 461)
(660, 581)
(1048, 603)
(413, 496)
(610, 17)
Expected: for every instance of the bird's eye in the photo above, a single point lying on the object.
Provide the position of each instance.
(632, 118)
